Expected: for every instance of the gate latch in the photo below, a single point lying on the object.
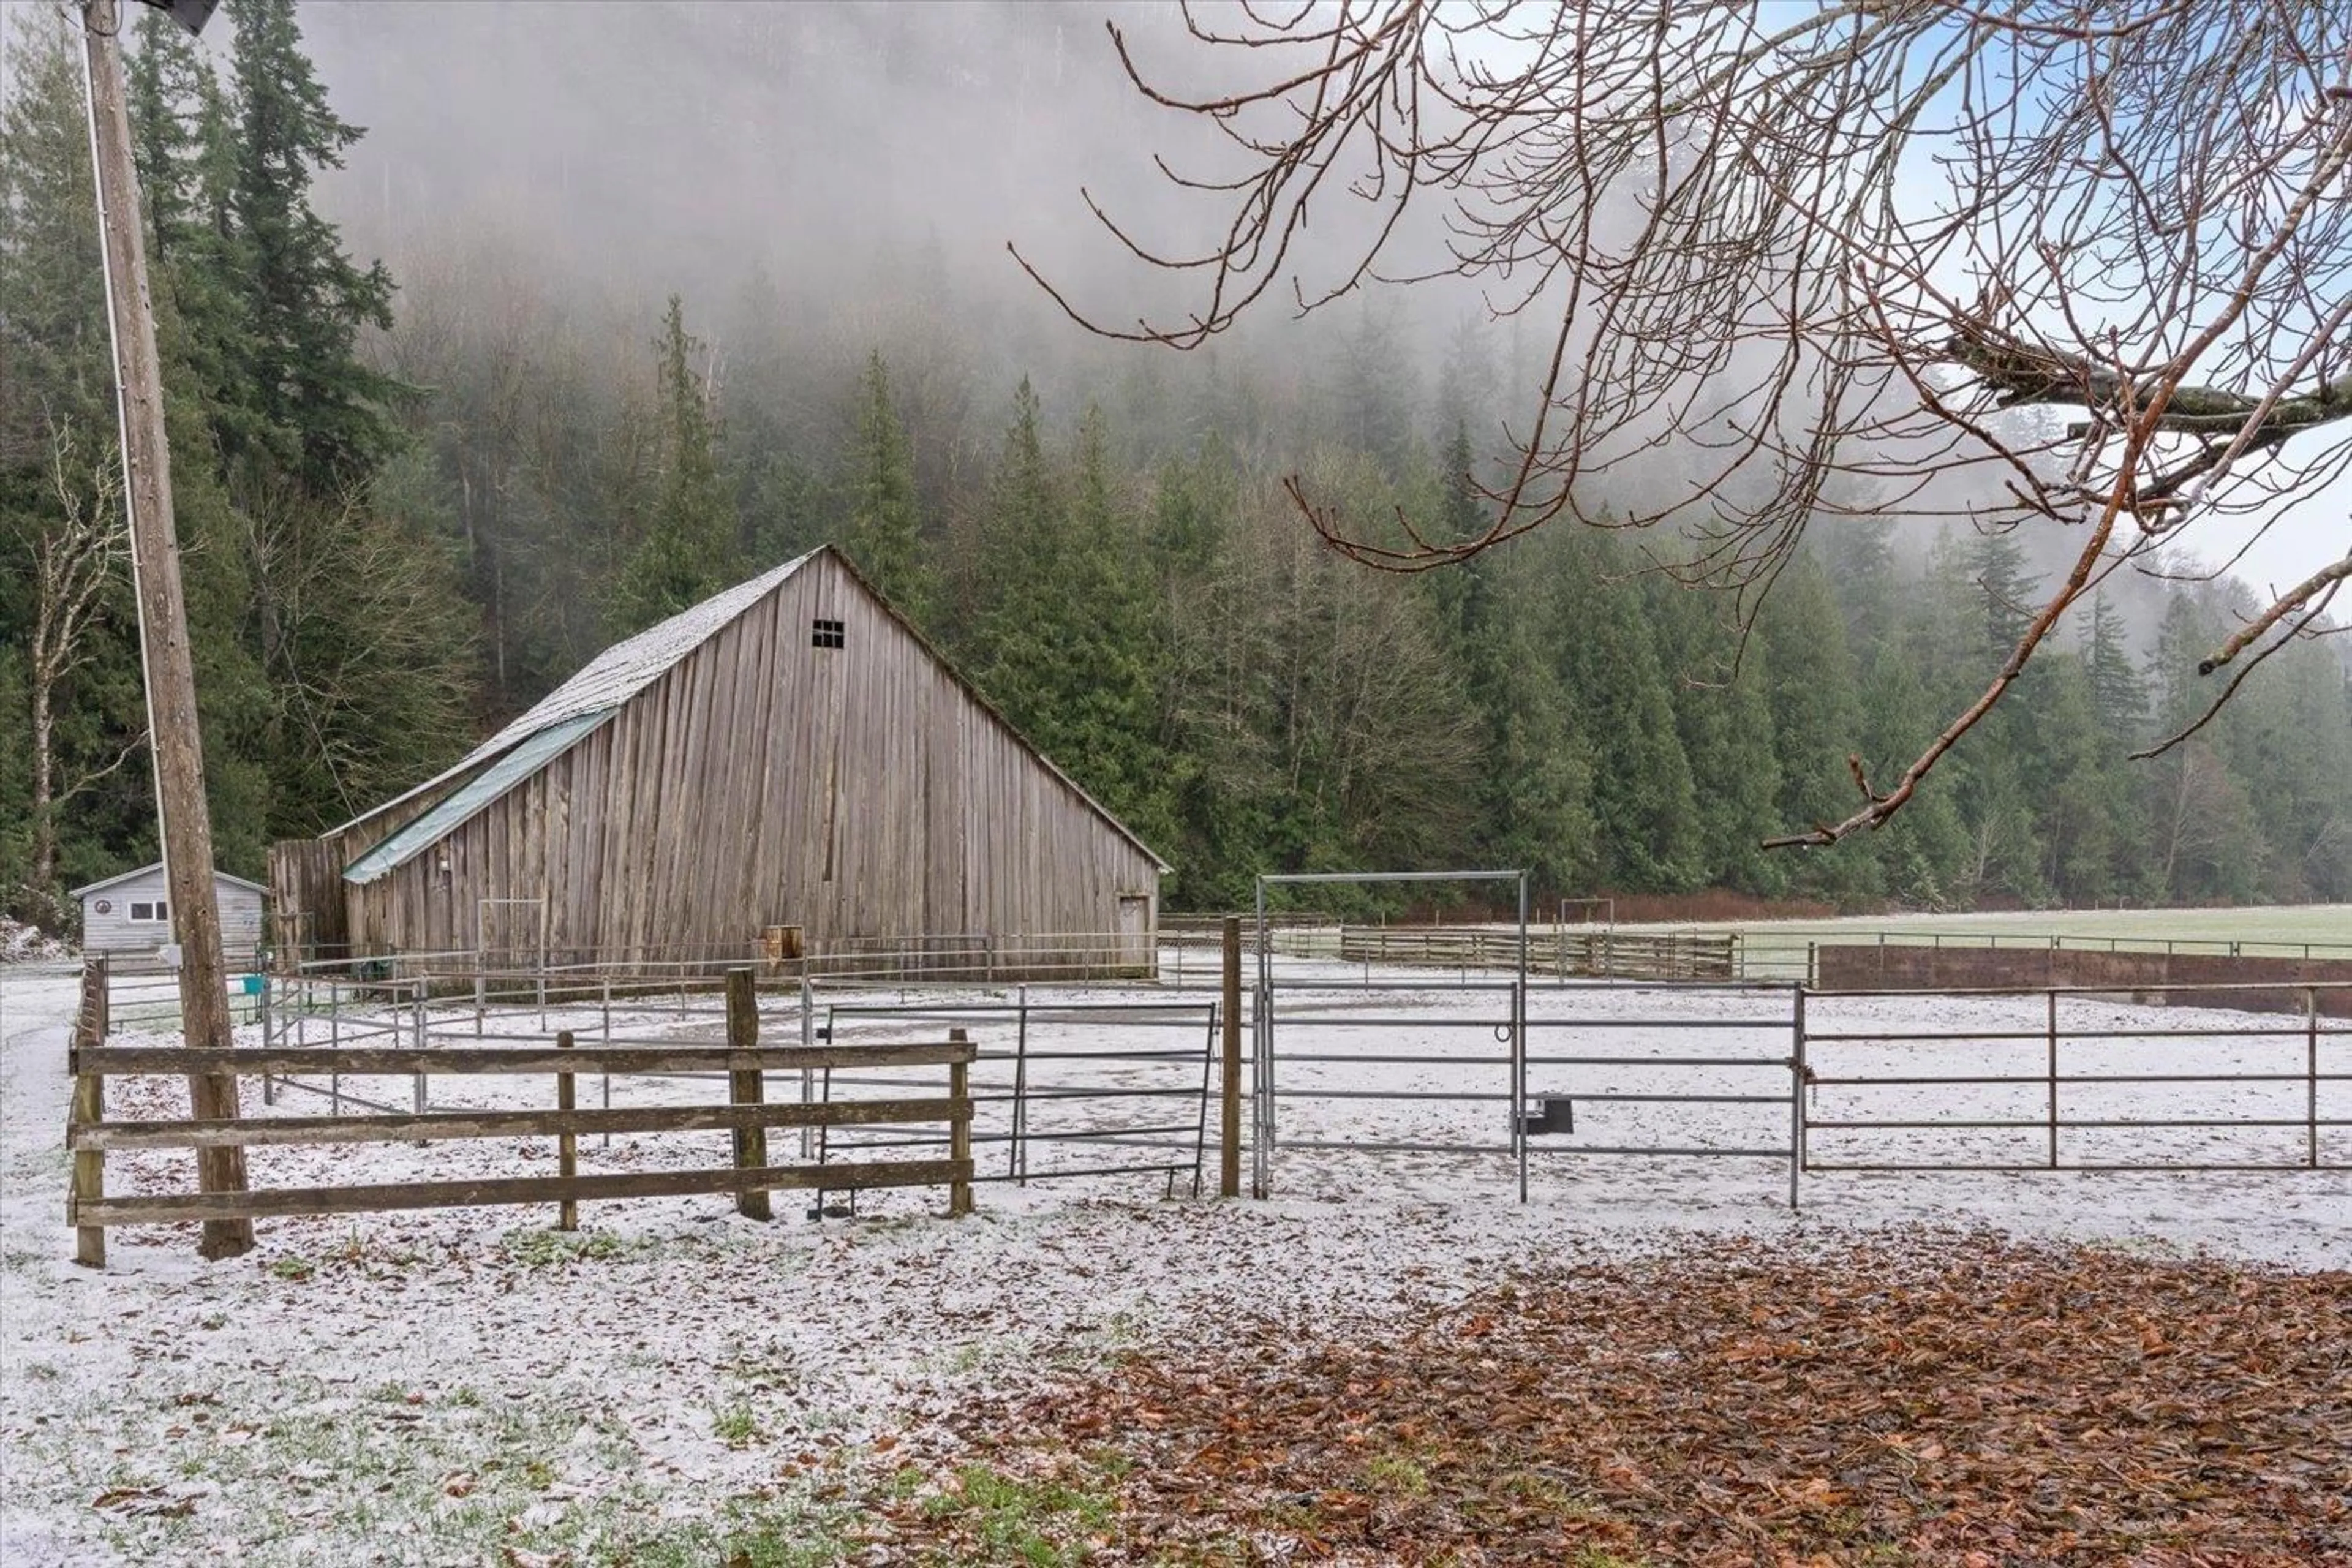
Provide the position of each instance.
(1558, 1115)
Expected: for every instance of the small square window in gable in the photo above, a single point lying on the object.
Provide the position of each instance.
(827, 634)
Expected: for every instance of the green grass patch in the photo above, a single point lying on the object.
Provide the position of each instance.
(557, 1249)
(737, 1427)
(1053, 1522)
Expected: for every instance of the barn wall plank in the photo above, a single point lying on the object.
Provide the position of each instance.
(858, 792)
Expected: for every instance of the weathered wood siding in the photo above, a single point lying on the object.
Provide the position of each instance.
(859, 792)
(116, 934)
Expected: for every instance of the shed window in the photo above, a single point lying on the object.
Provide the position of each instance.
(825, 634)
(155, 913)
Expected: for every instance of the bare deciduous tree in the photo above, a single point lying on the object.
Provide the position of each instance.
(2083, 261)
(76, 556)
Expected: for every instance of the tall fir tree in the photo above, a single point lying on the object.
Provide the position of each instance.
(687, 551)
(883, 530)
(317, 408)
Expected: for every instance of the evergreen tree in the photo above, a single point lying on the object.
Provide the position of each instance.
(2118, 694)
(1816, 721)
(53, 336)
(320, 410)
(1064, 642)
(883, 531)
(687, 552)
(1535, 783)
(1644, 806)
(1722, 695)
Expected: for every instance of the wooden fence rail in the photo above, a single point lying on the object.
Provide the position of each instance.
(748, 1178)
(1558, 953)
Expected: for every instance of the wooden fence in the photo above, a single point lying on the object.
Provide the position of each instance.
(1559, 952)
(750, 1178)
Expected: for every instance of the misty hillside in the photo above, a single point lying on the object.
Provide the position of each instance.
(668, 293)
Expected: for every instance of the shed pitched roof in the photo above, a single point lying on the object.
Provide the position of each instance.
(219, 876)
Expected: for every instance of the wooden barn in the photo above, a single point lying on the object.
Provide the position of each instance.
(787, 766)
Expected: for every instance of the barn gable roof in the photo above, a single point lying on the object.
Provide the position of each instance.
(613, 677)
(584, 702)
(219, 876)
(461, 805)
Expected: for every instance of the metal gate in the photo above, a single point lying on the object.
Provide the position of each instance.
(1515, 1067)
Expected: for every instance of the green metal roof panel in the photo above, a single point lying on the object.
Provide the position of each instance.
(533, 753)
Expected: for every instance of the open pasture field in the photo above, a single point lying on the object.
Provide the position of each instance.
(2298, 923)
(672, 1384)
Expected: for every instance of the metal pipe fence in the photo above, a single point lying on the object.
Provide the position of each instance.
(1538, 1092)
(2050, 1094)
(982, 958)
(1038, 1095)
(1129, 1098)
(1519, 1070)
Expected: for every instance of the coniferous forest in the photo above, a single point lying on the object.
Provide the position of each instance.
(411, 498)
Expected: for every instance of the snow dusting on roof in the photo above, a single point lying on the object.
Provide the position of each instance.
(617, 674)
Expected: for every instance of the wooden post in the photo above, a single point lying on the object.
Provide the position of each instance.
(168, 665)
(567, 1144)
(746, 1087)
(960, 1131)
(1229, 1131)
(89, 1166)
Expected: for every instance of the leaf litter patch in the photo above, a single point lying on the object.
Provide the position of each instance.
(1966, 1400)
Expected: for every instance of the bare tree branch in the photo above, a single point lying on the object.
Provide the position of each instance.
(2302, 627)
(1863, 258)
(2294, 598)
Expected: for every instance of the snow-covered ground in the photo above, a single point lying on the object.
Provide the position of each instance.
(444, 1386)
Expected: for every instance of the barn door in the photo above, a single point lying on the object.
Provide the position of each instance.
(1135, 931)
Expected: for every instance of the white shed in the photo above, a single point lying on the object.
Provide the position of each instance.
(129, 916)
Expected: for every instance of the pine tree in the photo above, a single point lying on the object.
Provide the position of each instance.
(1644, 806)
(1722, 696)
(883, 531)
(1532, 799)
(53, 340)
(686, 553)
(1816, 718)
(319, 411)
(1997, 563)
(2118, 694)
(1065, 644)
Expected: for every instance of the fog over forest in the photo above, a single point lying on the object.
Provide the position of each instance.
(674, 291)
(837, 153)
(837, 160)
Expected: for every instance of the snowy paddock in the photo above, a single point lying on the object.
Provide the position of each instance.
(456, 1386)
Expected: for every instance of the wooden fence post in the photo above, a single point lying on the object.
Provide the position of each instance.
(1229, 1131)
(959, 1132)
(89, 1166)
(567, 1144)
(747, 1088)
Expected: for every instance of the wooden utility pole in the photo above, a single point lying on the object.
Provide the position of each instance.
(178, 753)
